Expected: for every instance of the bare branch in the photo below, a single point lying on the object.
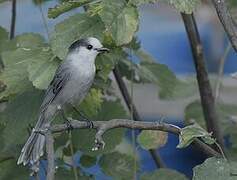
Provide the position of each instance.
(50, 155)
(103, 126)
(13, 20)
(227, 21)
(206, 95)
(132, 108)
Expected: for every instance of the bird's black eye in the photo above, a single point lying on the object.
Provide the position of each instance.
(89, 47)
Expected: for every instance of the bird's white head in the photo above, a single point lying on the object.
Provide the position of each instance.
(87, 48)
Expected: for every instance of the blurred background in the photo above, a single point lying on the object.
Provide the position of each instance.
(162, 34)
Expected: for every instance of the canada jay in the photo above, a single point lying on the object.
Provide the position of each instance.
(70, 85)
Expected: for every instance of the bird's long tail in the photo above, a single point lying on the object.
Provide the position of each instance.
(34, 147)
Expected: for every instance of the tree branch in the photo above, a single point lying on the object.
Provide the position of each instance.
(13, 20)
(227, 21)
(50, 155)
(206, 95)
(132, 108)
(104, 126)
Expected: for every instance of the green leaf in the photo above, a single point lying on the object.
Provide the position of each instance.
(29, 40)
(66, 6)
(149, 139)
(14, 75)
(20, 112)
(10, 170)
(105, 63)
(63, 173)
(214, 168)
(84, 139)
(189, 133)
(3, 38)
(120, 19)
(74, 28)
(92, 103)
(161, 75)
(140, 2)
(185, 6)
(32, 60)
(87, 161)
(118, 166)
(163, 174)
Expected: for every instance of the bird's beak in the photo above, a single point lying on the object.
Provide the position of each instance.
(102, 50)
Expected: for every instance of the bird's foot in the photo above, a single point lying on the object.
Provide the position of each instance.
(90, 124)
(99, 144)
(69, 124)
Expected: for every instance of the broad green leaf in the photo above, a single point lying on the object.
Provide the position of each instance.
(83, 139)
(87, 161)
(118, 166)
(29, 41)
(91, 105)
(42, 68)
(66, 6)
(214, 168)
(120, 19)
(74, 28)
(149, 139)
(105, 63)
(14, 75)
(161, 75)
(10, 170)
(189, 133)
(164, 174)
(65, 173)
(20, 112)
(185, 6)
(31, 60)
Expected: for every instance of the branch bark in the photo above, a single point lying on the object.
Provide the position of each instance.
(206, 95)
(50, 155)
(13, 20)
(227, 21)
(132, 108)
(104, 126)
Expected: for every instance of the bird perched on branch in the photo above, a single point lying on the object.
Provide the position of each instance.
(70, 85)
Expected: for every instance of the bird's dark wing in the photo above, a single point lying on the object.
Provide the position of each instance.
(60, 79)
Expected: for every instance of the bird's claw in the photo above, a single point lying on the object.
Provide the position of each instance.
(98, 145)
(90, 124)
(69, 125)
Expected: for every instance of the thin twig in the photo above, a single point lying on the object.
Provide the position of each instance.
(227, 21)
(13, 20)
(104, 126)
(206, 95)
(132, 108)
(50, 155)
(72, 155)
(220, 72)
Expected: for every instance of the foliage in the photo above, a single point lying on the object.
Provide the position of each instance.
(214, 168)
(163, 174)
(122, 164)
(191, 132)
(225, 113)
(30, 63)
(185, 6)
(152, 139)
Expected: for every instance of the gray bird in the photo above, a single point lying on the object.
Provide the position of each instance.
(70, 85)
